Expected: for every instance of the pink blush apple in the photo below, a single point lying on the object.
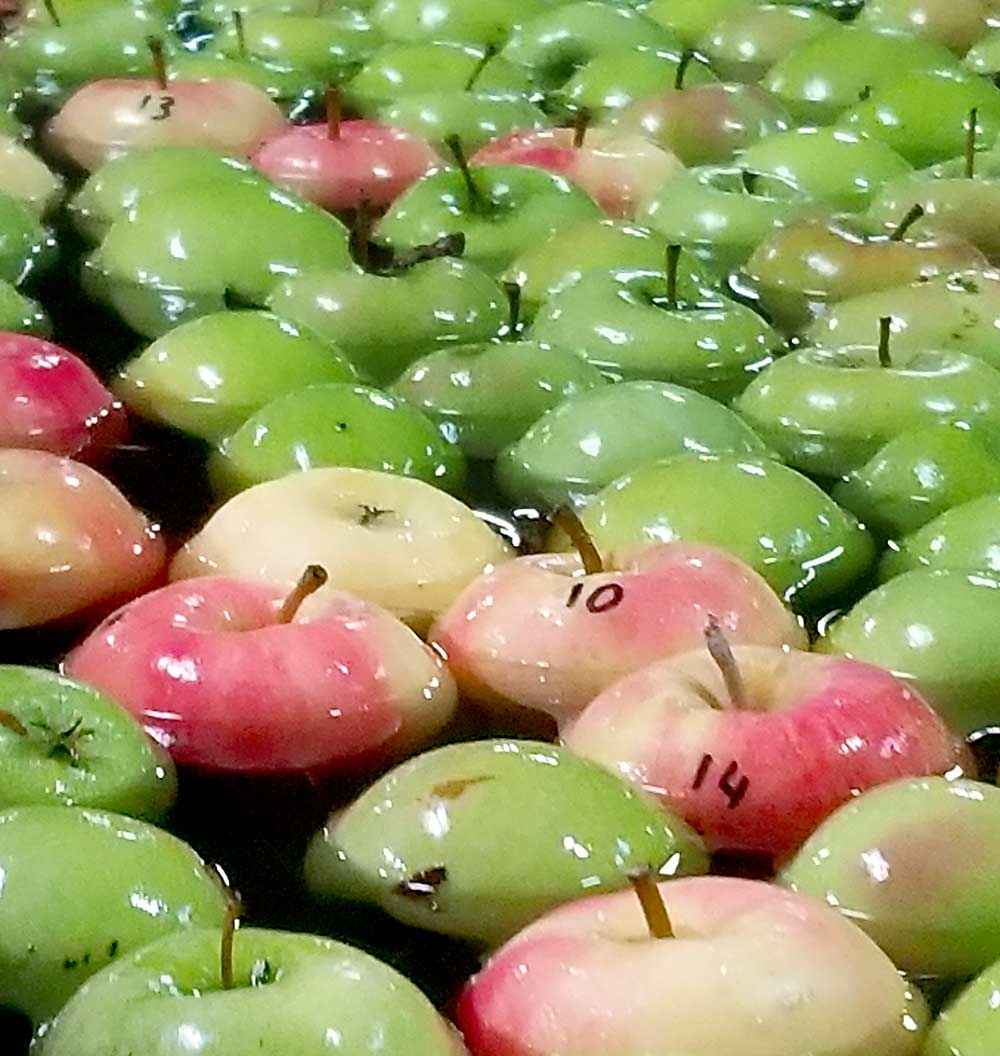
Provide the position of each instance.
(813, 732)
(51, 401)
(363, 161)
(749, 971)
(70, 542)
(618, 170)
(222, 684)
(537, 632)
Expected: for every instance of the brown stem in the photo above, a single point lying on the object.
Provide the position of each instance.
(50, 7)
(657, 919)
(452, 245)
(513, 291)
(477, 203)
(913, 214)
(970, 142)
(362, 226)
(580, 125)
(884, 334)
(722, 653)
(479, 67)
(309, 582)
(673, 260)
(682, 68)
(567, 521)
(241, 35)
(334, 113)
(229, 922)
(155, 46)
(12, 723)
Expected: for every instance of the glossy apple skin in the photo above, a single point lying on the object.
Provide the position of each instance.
(789, 530)
(969, 1025)
(71, 542)
(819, 729)
(367, 162)
(20, 314)
(755, 970)
(108, 118)
(617, 170)
(413, 559)
(589, 440)
(690, 20)
(456, 20)
(939, 631)
(26, 177)
(27, 247)
(51, 401)
(957, 24)
(221, 685)
(521, 826)
(131, 883)
(82, 749)
(911, 863)
(512, 637)
(167, 1000)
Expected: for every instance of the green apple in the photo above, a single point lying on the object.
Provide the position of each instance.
(957, 312)
(690, 20)
(629, 325)
(23, 175)
(20, 314)
(336, 425)
(207, 376)
(463, 21)
(26, 245)
(82, 887)
(913, 864)
(969, 1025)
(828, 411)
(839, 168)
(957, 24)
(592, 439)
(485, 396)
(290, 994)
(984, 56)
(744, 45)
(38, 12)
(382, 323)
(500, 209)
(221, 11)
(776, 520)
(123, 183)
(831, 71)
(475, 117)
(965, 538)
(177, 256)
(70, 745)
(916, 476)
(924, 115)
(518, 826)
(293, 89)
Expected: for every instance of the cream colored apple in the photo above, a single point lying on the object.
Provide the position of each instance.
(23, 175)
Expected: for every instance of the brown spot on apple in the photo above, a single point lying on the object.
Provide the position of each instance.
(457, 785)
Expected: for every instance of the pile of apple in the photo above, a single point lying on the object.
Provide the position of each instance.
(499, 527)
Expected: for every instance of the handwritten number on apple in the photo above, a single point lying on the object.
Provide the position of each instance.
(733, 786)
(166, 104)
(601, 599)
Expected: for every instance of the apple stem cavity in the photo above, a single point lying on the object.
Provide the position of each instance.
(673, 261)
(567, 521)
(721, 652)
(884, 335)
(477, 204)
(50, 8)
(913, 214)
(334, 113)
(479, 67)
(513, 291)
(12, 723)
(971, 129)
(749, 180)
(309, 582)
(682, 67)
(155, 46)
(241, 36)
(580, 125)
(653, 909)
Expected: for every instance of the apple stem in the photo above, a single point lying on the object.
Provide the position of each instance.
(155, 46)
(13, 723)
(580, 125)
(682, 67)
(309, 582)
(476, 202)
(884, 333)
(567, 521)
(673, 260)
(50, 7)
(241, 36)
(653, 909)
(361, 233)
(722, 653)
(970, 142)
(334, 113)
(229, 923)
(479, 67)
(452, 245)
(913, 214)
(513, 291)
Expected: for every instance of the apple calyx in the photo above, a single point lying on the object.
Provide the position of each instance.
(884, 335)
(567, 521)
(13, 723)
(241, 36)
(50, 9)
(155, 46)
(653, 909)
(477, 203)
(371, 514)
(971, 129)
(309, 582)
(682, 67)
(580, 125)
(913, 214)
(64, 746)
(477, 70)
(722, 654)
(334, 113)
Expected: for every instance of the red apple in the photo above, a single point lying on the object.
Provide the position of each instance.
(227, 675)
(69, 541)
(745, 969)
(51, 401)
(617, 169)
(539, 632)
(755, 759)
